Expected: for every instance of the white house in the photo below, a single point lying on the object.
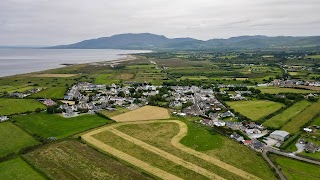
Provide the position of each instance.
(279, 135)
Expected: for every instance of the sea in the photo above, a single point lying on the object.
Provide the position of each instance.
(20, 60)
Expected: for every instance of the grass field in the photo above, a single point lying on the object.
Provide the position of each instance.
(13, 139)
(18, 169)
(277, 90)
(299, 120)
(297, 170)
(255, 109)
(75, 160)
(313, 57)
(316, 121)
(48, 125)
(53, 93)
(16, 106)
(143, 113)
(115, 112)
(55, 75)
(281, 119)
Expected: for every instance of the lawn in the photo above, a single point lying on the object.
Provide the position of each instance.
(301, 119)
(53, 93)
(75, 160)
(18, 169)
(17, 106)
(277, 90)
(255, 109)
(294, 169)
(48, 125)
(13, 139)
(281, 119)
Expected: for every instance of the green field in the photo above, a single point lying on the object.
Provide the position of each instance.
(281, 119)
(17, 106)
(255, 109)
(53, 93)
(13, 139)
(313, 57)
(18, 169)
(316, 121)
(48, 125)
(305, 116)
(75, 160)
(115, 112)
(277, 90)
(297, 170)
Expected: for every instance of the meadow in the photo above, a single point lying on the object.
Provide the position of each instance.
(277, 90)
(294, 169)
(52, 93)
(54, 125)
(13, 139)
(255, 109)
(74, 160)
(17, 106)
(18, 169)
(281, 119)
(294, 125)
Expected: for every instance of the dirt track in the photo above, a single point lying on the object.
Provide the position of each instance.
(175, 142)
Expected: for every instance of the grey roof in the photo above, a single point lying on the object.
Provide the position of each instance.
(280, 133)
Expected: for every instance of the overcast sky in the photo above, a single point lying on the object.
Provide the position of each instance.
(52, 22)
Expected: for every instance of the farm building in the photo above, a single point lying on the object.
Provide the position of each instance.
(279, 135)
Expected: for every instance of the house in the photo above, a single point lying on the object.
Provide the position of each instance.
(227, 114)
(49, 102)
(308, 130)
(257, 145)
(237, 137)
(247, 142)
(3, 118)
(311, 147)
(279, 135)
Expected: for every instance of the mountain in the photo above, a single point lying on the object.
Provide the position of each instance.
(154, 42)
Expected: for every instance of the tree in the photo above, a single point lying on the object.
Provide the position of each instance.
(121, 94)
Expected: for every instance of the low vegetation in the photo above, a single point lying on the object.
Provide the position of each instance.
(53, 93)
(18, 106)
(277, 90)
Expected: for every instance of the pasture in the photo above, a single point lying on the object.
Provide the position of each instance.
(74, 160)
(54, 125)
(142, 114)
(13, 139)
(18, 169)
(255, 109)
(294, 169)
(277, 90)
(281, 119)
(301, 119)
(150, 142)
(52, 93)
(55, 75)
(17, 106)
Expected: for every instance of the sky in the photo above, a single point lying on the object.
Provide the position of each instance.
(55, 22)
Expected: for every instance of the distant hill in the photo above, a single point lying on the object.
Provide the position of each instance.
(153, 42)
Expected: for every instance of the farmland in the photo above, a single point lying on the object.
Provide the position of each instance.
(255, 109)
(305, 116)
(18, 169)
(10, 133)
(114, 112)
(48, 125)
(277, 90)
(53, 93)
(280, 119)
(13, 106)
(75, 160)
(294, 169)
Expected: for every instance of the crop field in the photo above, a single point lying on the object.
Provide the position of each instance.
(53, 93)
(18, 169)
(74, 160)
(281, 119)
(142, 114)
(55, 75)
(146, 144)
(53, 125)
(255, 109)
(13, 106)
(305, 116)
(294, 169)
(277, 90)
(13, 139)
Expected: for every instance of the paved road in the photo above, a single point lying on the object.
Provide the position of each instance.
(265, 156)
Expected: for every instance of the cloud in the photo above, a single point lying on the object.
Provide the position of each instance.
(45, 22)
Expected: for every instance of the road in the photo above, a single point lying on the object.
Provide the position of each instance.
(265, 156)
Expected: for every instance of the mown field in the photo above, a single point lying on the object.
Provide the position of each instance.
(53, 125)
(53, 93)
(18, 169)
(277, 90)
(305, 116)
(13, 139)
(281, 119)
(17, 106)
(297, 170)
(74, 160)
(255, 109)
